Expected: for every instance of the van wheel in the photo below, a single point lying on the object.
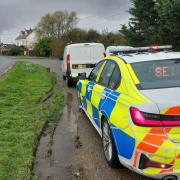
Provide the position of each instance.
(64, 77)
(68, 82)
(109, 146)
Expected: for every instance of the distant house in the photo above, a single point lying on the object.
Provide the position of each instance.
(32, 39)
(21, 40)
(5, 48)
(27, 38)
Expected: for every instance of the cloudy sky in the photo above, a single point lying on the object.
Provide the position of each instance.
(16, 15)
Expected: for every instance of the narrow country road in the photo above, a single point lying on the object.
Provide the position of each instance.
(75, 151)
(5, 63)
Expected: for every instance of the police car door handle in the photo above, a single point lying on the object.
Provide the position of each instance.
(89, 89)
(103, 95)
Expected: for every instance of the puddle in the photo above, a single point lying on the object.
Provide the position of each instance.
(64, 157)
(55, 157)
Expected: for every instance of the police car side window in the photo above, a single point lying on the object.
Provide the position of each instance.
(107, 73)
(95, 71)
(115, 78)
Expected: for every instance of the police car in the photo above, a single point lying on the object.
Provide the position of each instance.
(133, 101)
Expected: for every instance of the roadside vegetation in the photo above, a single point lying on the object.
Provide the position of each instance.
(59, 29)
(29, 99)
(15, 51)
(54, 47)
(153, 22)
(28, 57)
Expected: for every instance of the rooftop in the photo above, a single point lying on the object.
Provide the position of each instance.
(24, 34)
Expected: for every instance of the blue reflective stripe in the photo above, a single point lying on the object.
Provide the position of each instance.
(89, 93)
(114, 95)
(125, 144)
(84, 103)
(96, 116)
(108, 103)
(107, 90)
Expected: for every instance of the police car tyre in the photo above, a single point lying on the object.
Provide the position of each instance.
(169, 178)
(64, 77)
(109, 146)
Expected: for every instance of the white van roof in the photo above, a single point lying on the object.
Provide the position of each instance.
(84, 44)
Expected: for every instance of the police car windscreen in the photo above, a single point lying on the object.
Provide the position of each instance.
(158, 74)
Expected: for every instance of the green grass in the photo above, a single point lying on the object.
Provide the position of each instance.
(33, 57)
(23, 115)
(30, 57)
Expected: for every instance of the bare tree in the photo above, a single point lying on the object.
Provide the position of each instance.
(57, 24)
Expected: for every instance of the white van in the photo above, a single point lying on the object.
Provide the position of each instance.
(111, 49)
(80, 58)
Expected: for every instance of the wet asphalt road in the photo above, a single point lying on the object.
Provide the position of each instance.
(4, 64)
(75, 151)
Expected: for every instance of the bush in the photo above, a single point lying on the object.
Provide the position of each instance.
(57, 46)
(43, 47)
(16, 51)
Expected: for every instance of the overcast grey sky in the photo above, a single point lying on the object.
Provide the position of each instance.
(16, 15)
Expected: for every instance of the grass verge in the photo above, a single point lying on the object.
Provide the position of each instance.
(32, 57)
(29, 98)
(28, 57)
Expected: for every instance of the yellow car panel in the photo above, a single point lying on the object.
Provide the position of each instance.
(133, 142)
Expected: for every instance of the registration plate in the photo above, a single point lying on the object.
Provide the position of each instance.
(82, 66)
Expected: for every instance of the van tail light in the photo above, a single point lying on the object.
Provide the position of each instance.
(104, 54)
(145, 162)
(68, 61)
(153, 120)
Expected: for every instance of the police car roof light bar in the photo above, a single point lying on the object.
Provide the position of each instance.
(141, 50)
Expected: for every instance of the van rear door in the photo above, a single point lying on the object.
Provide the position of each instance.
(80, 55)
(81, 60)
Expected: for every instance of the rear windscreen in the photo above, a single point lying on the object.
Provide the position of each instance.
(158, 74)
(89, 54)
(80, 53)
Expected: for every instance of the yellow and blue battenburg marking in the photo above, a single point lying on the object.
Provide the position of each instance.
(96, 117)
(123, 140)
(132, 141)
(106, 106)
(89, 89)
(108, 102)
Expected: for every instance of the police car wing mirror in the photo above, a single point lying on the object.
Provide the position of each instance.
(82, 76)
